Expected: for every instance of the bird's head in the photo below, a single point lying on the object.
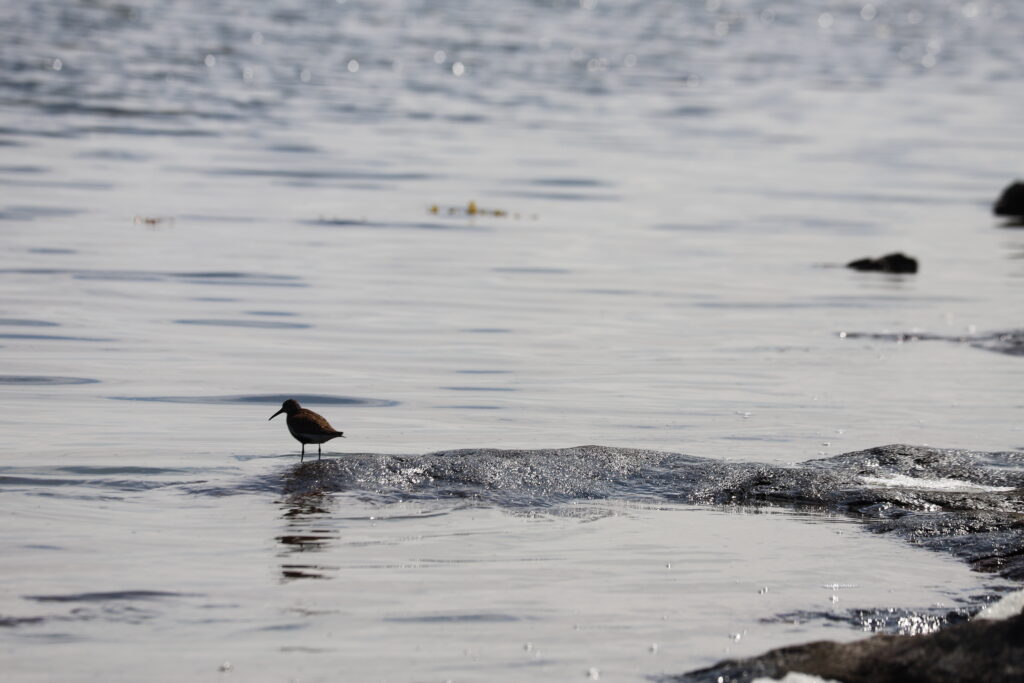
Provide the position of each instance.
(288, 407)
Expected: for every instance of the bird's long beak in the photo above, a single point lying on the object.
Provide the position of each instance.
(276, 414)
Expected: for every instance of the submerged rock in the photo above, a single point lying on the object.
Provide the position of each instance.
(890, 263)
(1011, 202)
(891, 620)
(1010, 342)
(966, 503)
(979, 650)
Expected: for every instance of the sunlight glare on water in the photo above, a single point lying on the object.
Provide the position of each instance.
(440, 592)
(447, 225)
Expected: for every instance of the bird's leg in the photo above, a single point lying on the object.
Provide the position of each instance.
(318, 451)
(303, 453)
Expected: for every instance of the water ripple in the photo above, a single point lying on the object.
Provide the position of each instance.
(24, 322)
(268, 399)
(227, 278)
(55, 337)
(266, 324)
(43, 380)
(108, 596)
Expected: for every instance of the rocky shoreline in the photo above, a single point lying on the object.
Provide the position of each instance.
(978, 650)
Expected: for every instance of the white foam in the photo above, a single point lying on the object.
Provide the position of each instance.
(1010, 606)
(794, 677)
(903, 481)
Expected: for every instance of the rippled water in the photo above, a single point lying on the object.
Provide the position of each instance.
(453, 225)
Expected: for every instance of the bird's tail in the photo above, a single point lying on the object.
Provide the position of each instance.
(341, 434)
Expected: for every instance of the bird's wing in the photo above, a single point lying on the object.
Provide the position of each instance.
(308, 422)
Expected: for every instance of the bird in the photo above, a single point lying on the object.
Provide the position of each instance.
(307, 426)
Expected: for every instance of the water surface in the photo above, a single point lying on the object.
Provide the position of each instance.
(454, 225)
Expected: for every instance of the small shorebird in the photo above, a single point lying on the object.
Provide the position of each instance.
(306, 426)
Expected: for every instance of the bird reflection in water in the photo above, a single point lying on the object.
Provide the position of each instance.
(301, 514)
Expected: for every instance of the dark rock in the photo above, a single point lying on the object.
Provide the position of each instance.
(1011, 202)
(979, 650)
(890, 263)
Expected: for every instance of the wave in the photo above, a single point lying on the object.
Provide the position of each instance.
(964, 502)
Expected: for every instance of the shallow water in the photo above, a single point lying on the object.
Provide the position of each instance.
(210, 207)
(418, 591)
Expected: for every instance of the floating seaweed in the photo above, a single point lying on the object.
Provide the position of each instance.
(153, 221)
(472, 209)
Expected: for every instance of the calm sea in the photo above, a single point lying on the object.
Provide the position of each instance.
(450, 225)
